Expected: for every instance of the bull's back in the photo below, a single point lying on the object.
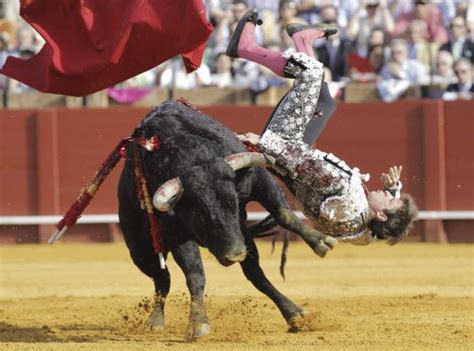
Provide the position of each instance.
(188, 136)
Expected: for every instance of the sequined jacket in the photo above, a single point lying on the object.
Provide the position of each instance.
(327, 190)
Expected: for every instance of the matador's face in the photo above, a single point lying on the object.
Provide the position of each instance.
(380, 201)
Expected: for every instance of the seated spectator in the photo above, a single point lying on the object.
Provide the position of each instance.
(428, 12)
(364, 70)
(464, 88)
(443, 74)
(377, 37)
(222, 77)
(376, 57)
(418, 47)
(458, 45)
(369, 15)
(333, 52)
(174, 76)
(400, 73)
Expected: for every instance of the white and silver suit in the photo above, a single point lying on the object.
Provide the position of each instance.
(328, 191)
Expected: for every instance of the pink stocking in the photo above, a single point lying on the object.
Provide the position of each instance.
(304, 40)
(250, 50)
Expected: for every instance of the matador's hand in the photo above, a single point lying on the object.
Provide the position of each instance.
(249, 137)
(392, 178)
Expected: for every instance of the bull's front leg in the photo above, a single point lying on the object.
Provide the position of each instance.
(253, 272)
(266, 191)
(320, 243)
(188, 257)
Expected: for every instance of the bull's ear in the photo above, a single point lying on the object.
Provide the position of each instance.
(168, 195)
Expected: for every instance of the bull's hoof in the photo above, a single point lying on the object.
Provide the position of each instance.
(156, 321)
(198, 330)
(323, 246)
(300, 322)
(330, 241)
(321, 249)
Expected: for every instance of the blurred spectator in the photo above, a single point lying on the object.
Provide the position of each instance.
(26, 39)
(364, 70)
(400, 8)
(222, 76)
(14, 86)
(378, 37)
(458, 45)
(464, 8)
(376, 57)
(245, 73)
(11, 10)
(333, 52)
(418, 47)
(428, 12)
(174, 76)
(221, 35)
(217, 10)
(4, 51)
(308, 10)
(369, 15)
(400, 73)
(464, 88)
(287, 14)
(442, 77)
(268, 12)
(443, 74)
(286, 42)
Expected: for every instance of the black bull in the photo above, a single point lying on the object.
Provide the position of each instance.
(211, 211)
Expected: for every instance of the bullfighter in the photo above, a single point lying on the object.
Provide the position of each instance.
(329, 192)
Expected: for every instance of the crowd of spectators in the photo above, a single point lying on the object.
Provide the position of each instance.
(391, 44)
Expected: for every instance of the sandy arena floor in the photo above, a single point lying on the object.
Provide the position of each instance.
(90, 297)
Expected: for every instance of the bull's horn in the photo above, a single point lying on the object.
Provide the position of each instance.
(248, 159)
(167, 195)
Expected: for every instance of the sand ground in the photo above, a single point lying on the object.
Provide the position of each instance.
(413, 296)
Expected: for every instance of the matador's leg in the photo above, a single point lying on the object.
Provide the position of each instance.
(298, 107)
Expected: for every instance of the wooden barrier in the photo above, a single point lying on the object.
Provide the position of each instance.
(47, 156)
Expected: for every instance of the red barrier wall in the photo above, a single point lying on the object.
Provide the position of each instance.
(48, 155)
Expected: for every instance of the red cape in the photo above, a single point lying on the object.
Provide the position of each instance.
(94, 44)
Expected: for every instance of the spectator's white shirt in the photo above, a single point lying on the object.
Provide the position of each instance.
(411, 70)
(181, 80)
(391, 87)
(222, 80)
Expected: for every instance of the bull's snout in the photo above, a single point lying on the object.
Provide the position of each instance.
(237, 254)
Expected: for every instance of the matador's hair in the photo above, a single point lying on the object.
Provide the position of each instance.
(399, 221)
